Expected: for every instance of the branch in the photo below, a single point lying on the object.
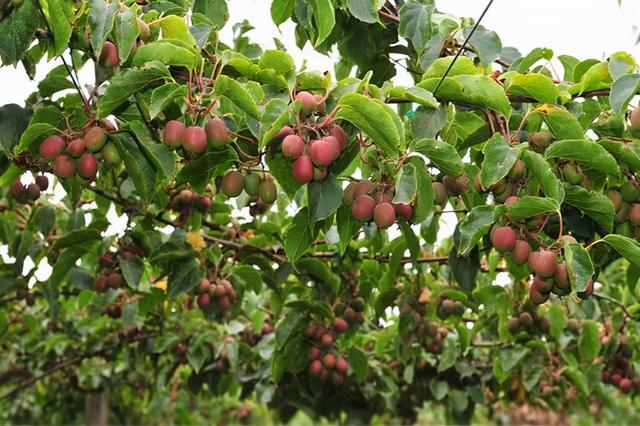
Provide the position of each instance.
(617, 303)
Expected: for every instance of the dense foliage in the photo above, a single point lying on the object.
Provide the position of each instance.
(286, 250)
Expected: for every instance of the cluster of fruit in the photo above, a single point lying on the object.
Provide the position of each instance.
(428, 332)
(348, 315)
(619, 370)
(110, 275)
(505, 188)
(81, 154)
(434, 336)
(195, 139)
(626, 203)
(220, 295)
(189, 200)
(369, 200)
(264, 188)
(323, 363)
(22, 194)
(311, 158)
(530, 322)
(114, 310)
(449, 307)
(550, 275)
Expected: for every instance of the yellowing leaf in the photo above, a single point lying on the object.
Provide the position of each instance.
(196, 241)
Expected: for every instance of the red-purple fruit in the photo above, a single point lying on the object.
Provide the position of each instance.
(336, 378)
(315, 368)
(349, 192)
(384, 215)
(115, 279)
(33, 190)
(544, 263)
(536, 297)
(194, 139)
(145, 31)
(51, 147)
(340, 325)
(512, 199)
(337, 132)
(76, 147)
(314, 353)
(561, 276)
(204, 285)
(87, 166)
(204, 301)
(292, 147)
(282, 133)
(342, 365)
(403, 210)
(95, 138)
(217, 132)
(109, 55)
(587, 291)
(302, 169)
(232, 183)
(520, 252)
(542, 285)
(17, 190)
(101, 284)
(362, 207)
(329, 361)
(173, 133)
(326, 339)
(363, 187)
(320, 173)
(309, 103)
(440, 193)
(503, 238)
(64, 167)
(321, 152)
(634, 214)
(625, 385)
(43, 182)
(334, 145)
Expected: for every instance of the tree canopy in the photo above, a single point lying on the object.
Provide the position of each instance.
(300, 246)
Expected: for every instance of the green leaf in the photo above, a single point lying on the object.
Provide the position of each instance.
(14, 120)
(596, 77)
(578, 378)
(102, 18)
(237, 94)
(176, 28)
(126, 33)
(347, 225)
(442, 154)
(162, 96)
(358, 363)
(499, 158)
(324, 18)
(275, 116)
(563, 124)
(463, 65)
(247, 276)
(165, 52)
(543, 173)
(534, 56)
(58, 20)
(76, 237)
(407, 185)
(628, 248)
(627, 152)
(200, 170)
(579, 265)
(184, 275)
(129, 82)
(473, 227)
(281, 10)
(558, 320)
(623, 90)
(215, 10)
(423, 204)
(477, 89)
(140, 169)
(324, 198)
(278, 61)
(415, 22)
(589, 341)
(18, 30)
(535, 86)
(364, 10)
(373, 118)
(485, 43)
(299, 235)
(421, 96)
(132, 271)
(288, 325)
(507, 360)
(280, 168)
(588, 153)
(594, 204)
(528, 206)
(427, 122)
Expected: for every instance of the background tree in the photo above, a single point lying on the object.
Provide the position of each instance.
(283, 258)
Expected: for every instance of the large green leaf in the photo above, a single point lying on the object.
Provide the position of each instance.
(593, 204)
(627, 247)
(237, 94)
(535, 86)
(102, 18)
(543, 173)
(415, 22)
(499, 158)
(281, 10)
(473, 227)
(588, 153)
(623, 90)
(324, 198)
(440, 153)
(215, 10)
(167, 52)
(364, 10)
(562, 123)
(17, 31)
(324, 18)
(126, 33)
(528, 206)
(57, 14)
(140, 169)
(423, 204)
(579, 265)
(299, 235)
(589, 341)
(175, 27)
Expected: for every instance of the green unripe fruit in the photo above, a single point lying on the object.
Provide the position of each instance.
(76, 147)
(543, 138)
(520, 252)
(630, 192)
(384, 215)
(309, 103)
(616, 199)
(302, 169)
(358, 304)
(95, 138)
(64, 167)
(499, 187)
(173, 133)
(194, 139)
(268, 191)
(217, 133)
(252, 183)
(517, 171)
(634, 214)
(513, 325)
(111, 154)
(362, 207)
(544, 263)
(505, 195)
(109, 55)
(349, 191)
(440, 193)
(232, 183)
(320, 173)
(573, 173)
(87, 166)
(624, 229)
(622, 214)
(51, 147)
(503, 238)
